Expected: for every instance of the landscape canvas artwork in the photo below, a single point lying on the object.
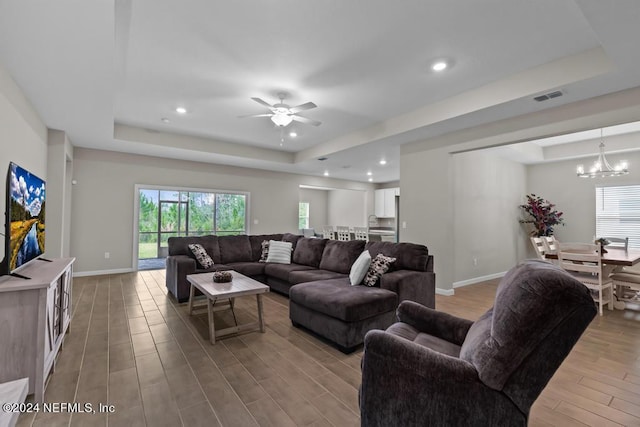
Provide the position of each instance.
(27, 216)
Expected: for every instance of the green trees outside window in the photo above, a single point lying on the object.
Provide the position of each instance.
(303, 215)
(165, 213)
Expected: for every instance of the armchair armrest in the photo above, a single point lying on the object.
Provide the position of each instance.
(436, 323)
(404, 383)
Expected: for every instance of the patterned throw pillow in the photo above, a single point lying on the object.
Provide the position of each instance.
(201, 255)
(378, 267)
(265, 251)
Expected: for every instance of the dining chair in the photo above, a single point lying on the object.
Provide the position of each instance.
(550, 244)
(539, 246)
(327, 232)
(343, 233)
(361, 233)
(618, 242)
(584, 262)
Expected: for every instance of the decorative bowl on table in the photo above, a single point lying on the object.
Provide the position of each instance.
(222, 276)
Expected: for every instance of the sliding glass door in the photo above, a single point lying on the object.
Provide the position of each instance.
(167, 213)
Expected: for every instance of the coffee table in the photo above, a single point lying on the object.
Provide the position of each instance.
(240, 286)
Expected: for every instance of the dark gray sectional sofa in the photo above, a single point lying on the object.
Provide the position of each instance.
(317, 280)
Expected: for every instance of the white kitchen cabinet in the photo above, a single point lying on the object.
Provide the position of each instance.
(35, 314)
(385, 202)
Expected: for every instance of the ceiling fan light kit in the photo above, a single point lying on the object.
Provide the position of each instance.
(282, 114)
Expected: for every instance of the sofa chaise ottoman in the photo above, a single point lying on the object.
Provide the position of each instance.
(343, 314)
(340, 312)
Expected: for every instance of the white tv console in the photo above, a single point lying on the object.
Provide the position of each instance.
(34, 316)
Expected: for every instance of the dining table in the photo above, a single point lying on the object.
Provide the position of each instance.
(612, 259)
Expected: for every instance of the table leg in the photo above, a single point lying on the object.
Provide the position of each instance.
(212, 328)
(191, 296)
(260, 317)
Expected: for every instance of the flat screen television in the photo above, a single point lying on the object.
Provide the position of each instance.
(25, 218)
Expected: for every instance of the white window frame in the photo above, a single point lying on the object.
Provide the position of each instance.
(136, 210)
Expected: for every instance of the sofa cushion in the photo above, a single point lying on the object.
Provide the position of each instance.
(292, 238)
(235, 248)
(256, 244)
(339, 256)
(201, 255)
(309, 251)
(250, 269)
(337, 298)
(281, 271)
(279, 252)
(296, 277)
(214, 267)
(180, 246)
(409, 256)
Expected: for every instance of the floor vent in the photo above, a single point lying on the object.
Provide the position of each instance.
(548, 96)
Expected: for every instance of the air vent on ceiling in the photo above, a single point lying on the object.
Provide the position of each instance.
(322, 159)
(548, 96)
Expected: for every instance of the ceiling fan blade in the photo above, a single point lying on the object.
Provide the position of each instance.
(306, 121)
(302, 107)
(256, 115)
(260, 101)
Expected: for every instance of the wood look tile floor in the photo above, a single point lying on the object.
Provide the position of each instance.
(133, 347)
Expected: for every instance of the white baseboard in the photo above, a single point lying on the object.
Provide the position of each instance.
(446, 292)
(102, 272)
(475, 280)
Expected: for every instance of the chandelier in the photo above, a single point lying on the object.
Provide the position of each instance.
(601, 168)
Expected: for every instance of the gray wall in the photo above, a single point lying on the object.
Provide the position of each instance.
(318, 206)
(60, 171)
(463, 207)
(488, 239)
(426, 205)
(575, 196)
(103, 199)
(348, 207)
(23, 137)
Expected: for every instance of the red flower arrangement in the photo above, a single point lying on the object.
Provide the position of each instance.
(542, 215)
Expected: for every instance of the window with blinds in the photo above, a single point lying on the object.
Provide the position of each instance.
(618, 213)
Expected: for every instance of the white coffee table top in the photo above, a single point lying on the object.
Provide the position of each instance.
(239, 286)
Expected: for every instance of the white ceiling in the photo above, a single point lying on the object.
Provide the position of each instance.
(107, 72)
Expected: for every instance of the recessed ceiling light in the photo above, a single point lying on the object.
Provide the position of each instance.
(370, 179)
(293, 134)
(181, 110)
(369, 173)
(439, 66)
(383, 162)
(326, 173)
(165, 120)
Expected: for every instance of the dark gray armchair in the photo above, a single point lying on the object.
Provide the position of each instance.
(435, 369)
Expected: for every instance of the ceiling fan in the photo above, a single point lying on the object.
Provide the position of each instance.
(282, 115)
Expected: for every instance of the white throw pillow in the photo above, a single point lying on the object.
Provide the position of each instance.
(360, 268)
(279, 252)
